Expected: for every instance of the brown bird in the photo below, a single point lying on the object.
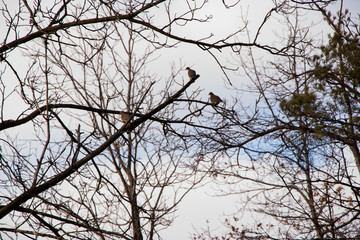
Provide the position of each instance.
(215, 100)
(125, 117)
(191, 73)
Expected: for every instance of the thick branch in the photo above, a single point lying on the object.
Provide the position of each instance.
(77, 164)
(61, 26)
(206, 45)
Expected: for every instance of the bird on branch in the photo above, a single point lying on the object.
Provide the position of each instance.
(192, 74)
(214, 99)
(125, 117)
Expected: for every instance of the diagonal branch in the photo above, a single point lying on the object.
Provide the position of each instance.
(35, 190)
(61, 26)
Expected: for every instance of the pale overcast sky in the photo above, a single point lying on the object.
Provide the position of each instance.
(200, 208)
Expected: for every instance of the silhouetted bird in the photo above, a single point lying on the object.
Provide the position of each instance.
(215, 100)
(191, 73)
(125, 117)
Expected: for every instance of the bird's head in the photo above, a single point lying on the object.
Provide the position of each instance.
(210, 93)
(187, 68)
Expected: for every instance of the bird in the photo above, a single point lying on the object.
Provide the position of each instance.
(215, 100)
(125, 117)
(191, 73)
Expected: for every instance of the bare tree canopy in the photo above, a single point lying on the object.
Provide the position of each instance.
(103, 132)
(302, 177)
(94, 142)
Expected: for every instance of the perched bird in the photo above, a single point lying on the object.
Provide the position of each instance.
(125, 117)
(215, 100)
(191, 73)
